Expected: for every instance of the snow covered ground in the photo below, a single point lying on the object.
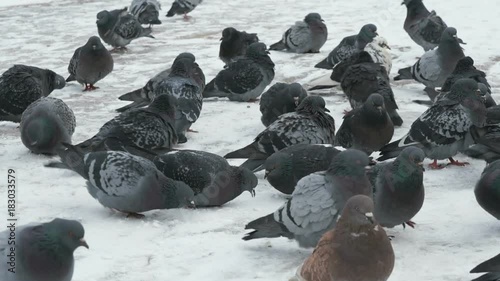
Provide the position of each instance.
(453, 233)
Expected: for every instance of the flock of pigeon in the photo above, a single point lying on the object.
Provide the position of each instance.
(340, 200)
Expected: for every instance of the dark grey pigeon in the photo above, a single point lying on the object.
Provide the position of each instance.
(245, 79)
(90, 63)
(367, 128)
(465, 69)
(348, 46)
(316, 202)
(146, 11)
(434, 67)
(281, 98)
(443, 130)
(306, 36)
(212, 179)
(424, 27)
(118, 28)
(183, 7)
(491, 267)
(43, 251)
(286, 167)
(45, 124)
(234, 44)
(485, 92)
(340, 68)
(486, 138)
(21, 85)
(487, 189)
(309, 124)
(398, 188)
(364, 78)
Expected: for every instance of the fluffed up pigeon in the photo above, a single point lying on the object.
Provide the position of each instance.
(309, 124)
(245, 79)
(491, 266)
(465, 69)
(146, 11)
(180, 7)
(279, 99)
(234, 44)
(42, 251)
(286, 167)
(90, 63)
(212, 179)
(348, 46)
(21, 85)
(487, 189)
(486, 138)
(316, 202)
(45, 124)
(307, 36)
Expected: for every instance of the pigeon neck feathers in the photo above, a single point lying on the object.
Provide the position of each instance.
(416, 9)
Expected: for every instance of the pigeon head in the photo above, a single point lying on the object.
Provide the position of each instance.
(485, 91)
(313, 18)
(248, 180)
(186, 55)
(358, 212)
(184, 196)
(450, 35)
(350, 162)
(182, 67)
(257, 49)
(278, 164)
(94, 43)
(375, 103)
(368, 32)
(410, 2)
(55, 81)
(465, 63)
(297, 92)
(313, 103)
(69, 233)
(228, 33)
(103, 17)
(363, 57)
(410, 160)
(467, 92)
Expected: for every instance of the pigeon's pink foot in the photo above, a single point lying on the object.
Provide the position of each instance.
(347, 111)
(192, 131)
(435, 166)
(90, 87)
(135, 215)
(186, 17)
(454, 162)
(410, 224)
(253, 100)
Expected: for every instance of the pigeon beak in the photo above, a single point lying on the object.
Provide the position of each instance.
(266, 174)
(387, 46)
(191, 205)
(322, 20)
(84, 243)
(460, 41)
(368, 168)
(267, 52)
(369, 216)
(375, 33)
(221, 38)
(327, 110)
(94, 47)
(421, 165)
(379, 108)
(296, 100)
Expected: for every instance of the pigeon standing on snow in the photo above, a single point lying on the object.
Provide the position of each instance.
(234, 44)
(306, 36)
(286, 167)
(316, 202)
(379, 51)
(443, 130)
(245, 79)
(281, 98)
(212, 179)
(43, 251)
(118, 28)
(491, 267)
(146, 11)
(367, 128)
(465, 69)
(90, 63)
(45, 124)
(21, 85)
(348, 46)
(486, 138)
(424, 27)
(358, 249)
(487, 189)
(309, 124)
(180, 7)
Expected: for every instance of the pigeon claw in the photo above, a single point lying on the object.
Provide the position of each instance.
(192, 131)
(135, 215)
(90, 87)
(454, 162)
(346, 111)
(410, 224)
(435, 166)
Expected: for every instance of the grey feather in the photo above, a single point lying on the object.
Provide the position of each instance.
(279, 99)
(234, 44)
(146, 11)
(425, 28)
(180, 7)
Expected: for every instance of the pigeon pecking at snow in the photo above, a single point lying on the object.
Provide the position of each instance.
(279, 99)
(183, 7)
(146, 11)
(234, 44)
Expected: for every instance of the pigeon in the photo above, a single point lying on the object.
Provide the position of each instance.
(21, 85)
(40, 251)
(245, 79)
(180, 7)
(425, 28)
(212, 179)
(281, 98)
(306, 36)
(309, 124)
(489, 101)
(45, 124)
(234, 44)
(358, 249)
(434, 67)
(364, 78)
(118, 28)
(486, 138)
(398, 188)
(486, 190)
(146, 11)
(379, 51)
(316, 202)
(286, 167)
(491, 267)
(443, 130)
(367, 128)
(90, 63)
(348, 46)
(465, 69)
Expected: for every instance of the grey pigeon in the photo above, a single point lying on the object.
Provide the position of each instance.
(340, 68)
(434, 67)
(21, 85)
(364, 78)
(486, 138)
(41, 251)
(306, 36)
(90, 63)
(184, 7)
(443, 130)
(245, 79)
(309, 124)
(424, 27)
(487, 188)
(286, 167)
(465, 69)
(367, 128)
(398, 188)
(146, 11)
(316, 202)
(358, 249)
(45, 124)
(348, 46)
(212, 179)
(281, 98)
(118, 28)
(234, 44)
(491, 267)
(485, 92)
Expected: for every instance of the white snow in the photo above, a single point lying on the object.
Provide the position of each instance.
(453, 234)
(6, 3)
